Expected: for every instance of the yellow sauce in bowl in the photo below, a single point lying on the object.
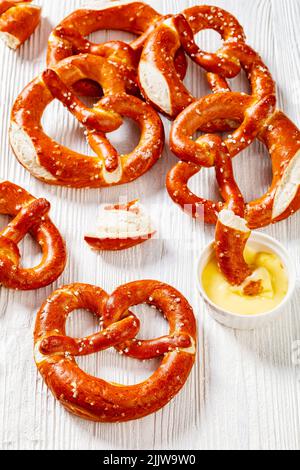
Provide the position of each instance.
(267, 266)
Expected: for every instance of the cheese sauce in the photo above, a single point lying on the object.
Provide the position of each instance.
(266, 266)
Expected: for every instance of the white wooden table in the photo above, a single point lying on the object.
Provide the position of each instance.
(244, 392)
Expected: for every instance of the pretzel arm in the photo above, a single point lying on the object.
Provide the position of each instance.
(80, 45)
(26, 219)
(113, 335)
(98, 119)
(226, 67)
(104, 149)
(155, 348)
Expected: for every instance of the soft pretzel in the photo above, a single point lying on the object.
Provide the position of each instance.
(159, 81)
(93, 398)
(257, 117)
(121, 226)
(55, 164)
(18, 20)
(30, 217)
(69, 38)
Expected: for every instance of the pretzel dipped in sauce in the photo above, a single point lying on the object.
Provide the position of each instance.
(159, 81)
(121, 226)
(232, 233)
(55, 164)
(70, 38)
(92, 398)
(30, 216)
(18, 20)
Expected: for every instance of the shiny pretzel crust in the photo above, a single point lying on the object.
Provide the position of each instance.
(69, 38)
(30, 216)
(18, 20)
(92, 398)
(158, 78)
(247, 117)
(276, 131)
(55, 164)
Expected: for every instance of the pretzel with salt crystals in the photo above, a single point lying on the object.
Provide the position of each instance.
(69, 38)
(258, 118)
(30, 216)
(18, 20)
(232, 232)
(55, 164)
(159, 81)
(95, 399)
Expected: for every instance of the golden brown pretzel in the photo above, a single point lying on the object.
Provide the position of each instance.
(95, 399)
(30, 217)
(55, 164)
(69, 38)
(158, 78)
(258, 117)
(18, 20)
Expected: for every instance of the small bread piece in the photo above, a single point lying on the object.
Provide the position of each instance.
(121, 227)
(18, 20)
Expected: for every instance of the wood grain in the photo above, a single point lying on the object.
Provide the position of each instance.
(244, 392)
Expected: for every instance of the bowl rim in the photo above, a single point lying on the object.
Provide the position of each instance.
(287, 261)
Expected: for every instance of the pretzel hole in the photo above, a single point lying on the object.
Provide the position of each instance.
(204, 184)
(67, 131)
(109, 365)
(153, 324)
(82, 323)
(64, 129)
(126, 138)
(113, 367)
(240, 83)
(31, 254)
(195, 80)
(253, 165)
(208, 40)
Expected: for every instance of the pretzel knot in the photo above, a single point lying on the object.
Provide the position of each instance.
(70, 38)
(55, 164)
(92, 398)
(30, 217)
(158, 77)
(249, 117)
(18, 20)
(258, 118)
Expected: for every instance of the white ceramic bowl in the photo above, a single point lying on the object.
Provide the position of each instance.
(259, 242)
